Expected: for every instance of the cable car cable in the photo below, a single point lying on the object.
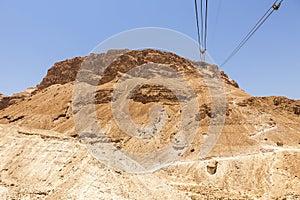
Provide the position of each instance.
(254, 29)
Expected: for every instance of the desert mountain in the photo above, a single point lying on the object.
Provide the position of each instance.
(43, 156)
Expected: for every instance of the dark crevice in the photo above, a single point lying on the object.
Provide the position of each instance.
(16, 119)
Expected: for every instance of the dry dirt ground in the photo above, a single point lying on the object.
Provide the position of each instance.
(43, 156)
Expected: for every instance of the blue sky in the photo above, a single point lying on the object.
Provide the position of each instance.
(36, 34)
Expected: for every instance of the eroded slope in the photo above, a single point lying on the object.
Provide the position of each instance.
(256, 155)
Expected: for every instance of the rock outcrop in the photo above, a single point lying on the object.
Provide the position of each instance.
(66, 71)
(6, 101)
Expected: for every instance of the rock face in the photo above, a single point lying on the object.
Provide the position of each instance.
(66, 71)
(212, 167)
(256, 156)
(6, 101)
(61, 73)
